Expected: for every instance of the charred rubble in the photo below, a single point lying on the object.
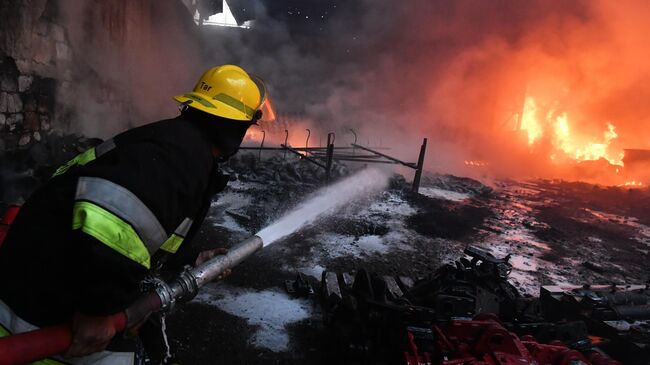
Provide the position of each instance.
(468, 311)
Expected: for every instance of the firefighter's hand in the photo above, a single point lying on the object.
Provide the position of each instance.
(89, 334)
(207, 255)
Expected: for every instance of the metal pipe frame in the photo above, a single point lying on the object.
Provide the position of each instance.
(365, 160)
(294, 151)
(339, 156)
(419, 167)
(262, 145)
(407, 164)
(306, 149)
(328, 160)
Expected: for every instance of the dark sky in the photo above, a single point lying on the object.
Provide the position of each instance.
(301, 16)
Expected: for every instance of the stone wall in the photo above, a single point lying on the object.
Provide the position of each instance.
(91, 67)
(35, 58)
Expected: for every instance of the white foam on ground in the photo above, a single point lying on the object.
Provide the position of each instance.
(269, 310)
(332, 245)
(229, 200)
(389, 203)
(372, 243)
(389, 208)
(229, 223)
(315, 270)
(393, 211)
(443, 194)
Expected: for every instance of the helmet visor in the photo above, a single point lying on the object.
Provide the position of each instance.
(266, 107)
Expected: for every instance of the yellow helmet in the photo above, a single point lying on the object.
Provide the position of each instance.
(227, 91)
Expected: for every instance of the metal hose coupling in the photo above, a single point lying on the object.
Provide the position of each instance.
(186, 285)
(181, 290)
(164, 292)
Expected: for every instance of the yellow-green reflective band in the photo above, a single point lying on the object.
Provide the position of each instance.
(3, 331)
(174, 241)
(124, 204)
(237, 104)
(87, 156)
(172, 244)
(199, 99)
(81, 159)
(111, 230)
(48, 362)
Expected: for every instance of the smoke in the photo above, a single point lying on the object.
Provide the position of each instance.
(130, 58)
(457, 72)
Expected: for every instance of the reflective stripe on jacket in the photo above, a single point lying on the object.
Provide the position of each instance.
(87, 156)
(108, 218)
(118, 219)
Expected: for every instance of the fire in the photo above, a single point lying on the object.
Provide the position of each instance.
(529, 121)
(566, 140)
(632, 184)
(475, 163)
(587, 150)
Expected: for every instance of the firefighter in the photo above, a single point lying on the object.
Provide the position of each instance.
(83, 243)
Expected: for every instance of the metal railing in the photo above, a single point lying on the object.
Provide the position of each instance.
(324, 157)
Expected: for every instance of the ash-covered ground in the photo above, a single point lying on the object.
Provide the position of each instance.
(556, 232)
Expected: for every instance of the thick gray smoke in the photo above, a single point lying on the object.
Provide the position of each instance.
(131, 57)
(398, 71)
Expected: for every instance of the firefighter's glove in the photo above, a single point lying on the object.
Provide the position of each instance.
(207, 255)
(90, 334)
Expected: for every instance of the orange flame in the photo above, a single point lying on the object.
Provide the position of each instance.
(529, 121)
(475, 163)
(566, 141)
(632, 184)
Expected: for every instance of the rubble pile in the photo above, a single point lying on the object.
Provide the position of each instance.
(291, 170)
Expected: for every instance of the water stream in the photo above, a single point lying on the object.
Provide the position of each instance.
(324, 201)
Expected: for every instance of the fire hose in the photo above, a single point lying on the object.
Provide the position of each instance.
(32, 346)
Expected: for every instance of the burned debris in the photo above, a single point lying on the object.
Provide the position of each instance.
(499, 210)
(469, 312)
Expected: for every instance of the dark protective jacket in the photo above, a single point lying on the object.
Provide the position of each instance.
(85, 240)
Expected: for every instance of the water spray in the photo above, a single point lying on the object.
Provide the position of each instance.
(42, 343)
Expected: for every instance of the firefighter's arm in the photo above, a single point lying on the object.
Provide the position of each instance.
(90, 334)
(107, 283)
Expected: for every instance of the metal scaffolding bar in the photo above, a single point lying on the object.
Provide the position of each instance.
(338, 156)
(408, 164)
(328, 158)
(317, 149)
(292, 150)
(364, 160)
(420, 166)
(328, 165)
(324, 157)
